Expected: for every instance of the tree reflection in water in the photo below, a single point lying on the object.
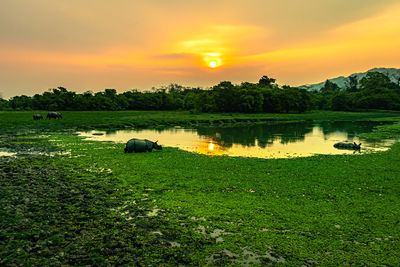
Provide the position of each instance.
(256, 135)
(264, 135)
(272, 140)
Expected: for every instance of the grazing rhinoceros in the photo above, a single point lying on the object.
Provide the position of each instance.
(37, 116)
(139, 145)
(348, 146)
(54, 115)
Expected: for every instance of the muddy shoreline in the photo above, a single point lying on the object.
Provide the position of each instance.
(54, 213)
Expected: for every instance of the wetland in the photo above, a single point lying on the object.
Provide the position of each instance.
(78, 201)
(266, 140)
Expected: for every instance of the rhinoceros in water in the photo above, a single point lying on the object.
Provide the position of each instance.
(348, 146)
(139, 145)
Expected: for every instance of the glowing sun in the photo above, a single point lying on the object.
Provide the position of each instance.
(212, 64)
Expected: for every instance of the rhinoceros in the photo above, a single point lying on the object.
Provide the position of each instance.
(54, 115)
(348, 145)
(139, 145)
(37, 116)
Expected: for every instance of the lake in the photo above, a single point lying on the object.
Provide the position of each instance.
(277, 140)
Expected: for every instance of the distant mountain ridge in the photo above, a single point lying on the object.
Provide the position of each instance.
(342, 82)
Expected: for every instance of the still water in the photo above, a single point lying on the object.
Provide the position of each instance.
(283, 140)
(6, 154)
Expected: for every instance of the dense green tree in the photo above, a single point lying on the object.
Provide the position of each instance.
(266, 81)
(353, 84)
(85, 101)
(250, 98)
(106, 100)
(3, 104)
(189, 101)
(226, 97)
(22, 102)
(294, 99)
(329, 87)
(376, 80)
(341, 101)
(206, 102)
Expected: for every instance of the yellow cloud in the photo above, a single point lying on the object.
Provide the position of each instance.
(219, 42)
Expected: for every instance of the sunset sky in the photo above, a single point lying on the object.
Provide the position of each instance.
(127, 44)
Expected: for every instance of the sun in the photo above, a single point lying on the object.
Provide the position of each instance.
(212, 64)
(212, 60)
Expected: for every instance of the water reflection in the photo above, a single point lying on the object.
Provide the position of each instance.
(257, 135)
(352, 129)
(7, 154)
(281, 140)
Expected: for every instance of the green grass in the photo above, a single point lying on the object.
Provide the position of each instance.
(73, 120)
(323, 210)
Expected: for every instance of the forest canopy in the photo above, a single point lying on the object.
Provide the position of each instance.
(374, 91)
(264, 96)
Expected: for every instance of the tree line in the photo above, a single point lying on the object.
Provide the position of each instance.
(374, 91)
(264, 96)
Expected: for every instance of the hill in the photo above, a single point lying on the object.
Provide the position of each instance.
(342, 82)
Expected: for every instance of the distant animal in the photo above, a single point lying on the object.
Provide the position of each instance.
(54, 115)
(348, 146)
(139, 145)
(37, 116)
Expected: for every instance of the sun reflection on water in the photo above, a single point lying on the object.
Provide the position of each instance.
(211, 146)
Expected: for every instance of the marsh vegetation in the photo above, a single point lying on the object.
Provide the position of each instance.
(96, 205)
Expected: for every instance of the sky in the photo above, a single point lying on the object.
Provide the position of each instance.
(129, 44)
